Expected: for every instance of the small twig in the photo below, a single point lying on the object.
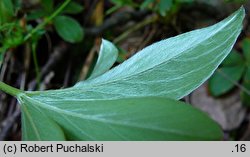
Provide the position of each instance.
(54, 58)
(48, 41)
(37, 69)
(67, 74)
(90, 10)
(47, 80)
(141, 24)
(205, 8)
(7, 124)
(4, 66)
(87, 63)
(11, 107)
(148, 38)
(117, 19)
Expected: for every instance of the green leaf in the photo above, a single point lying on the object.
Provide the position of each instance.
(246, 84)
(69, 29)
(164, 6)
(6, 11)
(8, 6)
(73, 8)
(123, 2)
(120, 3)
(105, 107)
(36, 14)
(107, 57)
(170, 68)
(47, 5)
(122, 56)
(38, 126)
(246, 49)
(123, 119)
(147, 4)
(233, 59)
(185, 1)
(223, 79)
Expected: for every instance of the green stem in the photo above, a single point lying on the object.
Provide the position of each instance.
(37, 69)
(9, 90)
(47, 20)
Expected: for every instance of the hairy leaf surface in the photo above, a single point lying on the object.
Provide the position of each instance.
(124, 119)
(170, 68)
(107, 57)
(38, 126)
(105, 107)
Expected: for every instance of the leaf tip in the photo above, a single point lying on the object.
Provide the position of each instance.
(241, 12)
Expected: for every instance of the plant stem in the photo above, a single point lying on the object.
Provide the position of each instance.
(37, 69)
(9, 90)
(47, 20)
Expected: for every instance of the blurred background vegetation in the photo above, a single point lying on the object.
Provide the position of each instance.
(52, 44)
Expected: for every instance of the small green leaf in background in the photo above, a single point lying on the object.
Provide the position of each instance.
(72, 8)
(246, 50)
(6, 11)
(107, 57)
(120, 3)
(224, 79)
(123, 2)
(219, 84)
(233, 59)
(232, 70)
(36, 14)
(147, 4)
(69, 29)
(122, 55)
(185, 1)
(46, 10)
(14, 36)
(164, 6)
(47, 5)
(161, 6)
(246, 83)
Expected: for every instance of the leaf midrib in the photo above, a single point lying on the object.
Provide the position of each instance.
(32, 122)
